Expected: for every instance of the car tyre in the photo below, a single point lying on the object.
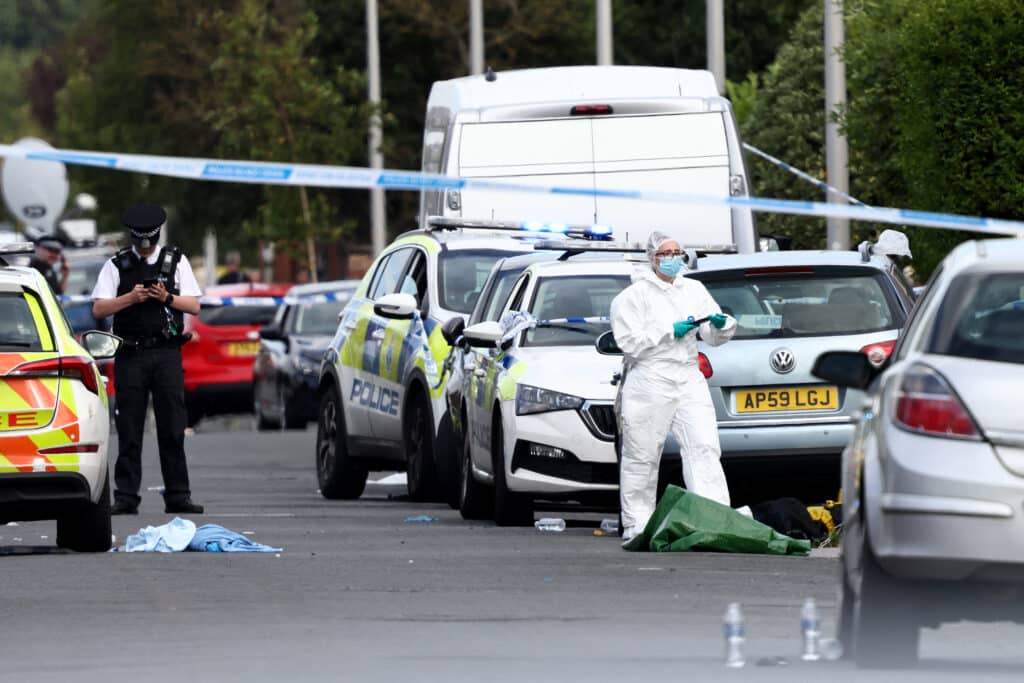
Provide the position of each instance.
(510, 508)
(339, 476)
(87, 529)
(448, 457)
(885, 631)
(476, 500)
(421, 473)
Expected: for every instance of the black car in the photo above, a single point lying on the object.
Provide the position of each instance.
(287, 366)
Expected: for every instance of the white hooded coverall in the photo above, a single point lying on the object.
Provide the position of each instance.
(665, 390)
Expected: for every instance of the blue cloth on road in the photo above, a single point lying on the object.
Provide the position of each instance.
(214, 538)
(166, 538)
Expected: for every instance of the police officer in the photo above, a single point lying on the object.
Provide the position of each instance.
(148, 289)
(48, 253)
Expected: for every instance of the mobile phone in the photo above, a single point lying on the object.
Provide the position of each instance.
(150, 282)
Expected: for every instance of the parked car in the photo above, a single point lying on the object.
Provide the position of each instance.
(537, 405)
(933, 478)
(218, 359)
(54, 427)
(782, 430)
(86, 264)
(286, 373)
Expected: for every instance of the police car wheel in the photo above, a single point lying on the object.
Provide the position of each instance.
(421, 474)
(476, 500)
(448, 457)
(339, 477)
(510, 509)
(87, 529)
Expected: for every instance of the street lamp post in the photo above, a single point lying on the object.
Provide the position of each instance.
(836, 151)
(476, 37)
(377, 231)
(716, 42)
(604, 32)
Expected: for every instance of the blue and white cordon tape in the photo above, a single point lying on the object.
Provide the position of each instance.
(803, 175)
(311, 175)
(244, 300)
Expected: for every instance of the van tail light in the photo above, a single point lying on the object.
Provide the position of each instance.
(591, 110)
(705, 365)
(879, 352)
(926, 403)
(68, 367)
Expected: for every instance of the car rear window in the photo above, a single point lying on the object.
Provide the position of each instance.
(805, 301)
(317, 318)
(18, 329)
(582, 296)
(218, 316)
(982, 317)
(462, 275)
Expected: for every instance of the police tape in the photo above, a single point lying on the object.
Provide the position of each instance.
(350, 177)
(803, 175)
(328, 297)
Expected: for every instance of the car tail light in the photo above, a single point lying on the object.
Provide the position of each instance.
(71, 448)
(69, 367)
(591, 110)
(705, 365)
(879, 352)
(926, 403)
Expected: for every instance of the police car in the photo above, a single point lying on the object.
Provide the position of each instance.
(537, 399)
(54, 421)
(381, 391)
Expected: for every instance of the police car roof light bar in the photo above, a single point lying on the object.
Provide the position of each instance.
(586, 232)
(15, 248)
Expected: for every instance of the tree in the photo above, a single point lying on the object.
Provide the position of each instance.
(272, 105)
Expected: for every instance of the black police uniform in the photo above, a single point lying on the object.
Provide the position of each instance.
(149, 363)
(48, 271)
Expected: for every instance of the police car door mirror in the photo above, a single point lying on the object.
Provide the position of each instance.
(845, 368)
(606, 344)
(272, 332)
(101, 344)
(483, 335)
(395, 306)
(452, 329)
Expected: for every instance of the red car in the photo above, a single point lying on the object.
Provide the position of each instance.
(218, 359)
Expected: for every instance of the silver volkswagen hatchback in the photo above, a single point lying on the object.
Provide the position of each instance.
(776, 421)
(934, 478)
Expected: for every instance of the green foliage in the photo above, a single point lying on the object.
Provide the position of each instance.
(743, 96)
(15, 114)
(30, 24)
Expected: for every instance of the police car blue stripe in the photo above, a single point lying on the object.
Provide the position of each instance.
(354, 177)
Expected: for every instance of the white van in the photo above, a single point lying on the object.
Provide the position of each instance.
(606, 127)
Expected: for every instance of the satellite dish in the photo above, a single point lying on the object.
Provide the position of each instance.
(35, 191)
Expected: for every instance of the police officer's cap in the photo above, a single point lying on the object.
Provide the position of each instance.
(51, 243)
(144, 221)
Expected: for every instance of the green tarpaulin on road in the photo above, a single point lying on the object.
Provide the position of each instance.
(685, 521)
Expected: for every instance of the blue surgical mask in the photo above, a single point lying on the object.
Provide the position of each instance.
(670, 265)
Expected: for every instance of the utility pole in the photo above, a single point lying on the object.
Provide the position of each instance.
(837, 158)
(476, 37)
(377, 228)
(604, 32)
(716, 42)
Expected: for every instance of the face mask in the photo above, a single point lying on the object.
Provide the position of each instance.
(670, 265)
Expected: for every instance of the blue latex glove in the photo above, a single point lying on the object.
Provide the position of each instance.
(683, 326)
(718, 320)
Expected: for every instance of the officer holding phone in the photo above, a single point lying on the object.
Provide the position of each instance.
(148, 289)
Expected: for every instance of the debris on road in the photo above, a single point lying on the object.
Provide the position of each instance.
(420, 519)
(181, 534)
(552, 524)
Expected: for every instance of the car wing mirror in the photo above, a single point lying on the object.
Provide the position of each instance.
(271, 332)
(484, 335)
(452, 329)
(845, 368)
(395, 306)
(101, 344)
(606, 344)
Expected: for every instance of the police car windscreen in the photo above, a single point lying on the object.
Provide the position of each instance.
(582, 296)
(463, 273)
(237, 315)
(17, 326)
(805, 304)
(982, 317)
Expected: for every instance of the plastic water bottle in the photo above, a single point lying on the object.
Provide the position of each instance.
(734, 636)
(810, 627)
(550, 524)
(610, 526)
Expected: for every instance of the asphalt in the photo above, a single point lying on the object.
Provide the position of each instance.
(358, 593)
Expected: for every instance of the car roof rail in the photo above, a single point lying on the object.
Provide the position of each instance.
(15, 248)
(587, 232)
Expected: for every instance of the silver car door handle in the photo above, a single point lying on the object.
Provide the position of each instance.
(377, 334)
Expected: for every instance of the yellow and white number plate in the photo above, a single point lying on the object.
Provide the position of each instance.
(780, 399)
